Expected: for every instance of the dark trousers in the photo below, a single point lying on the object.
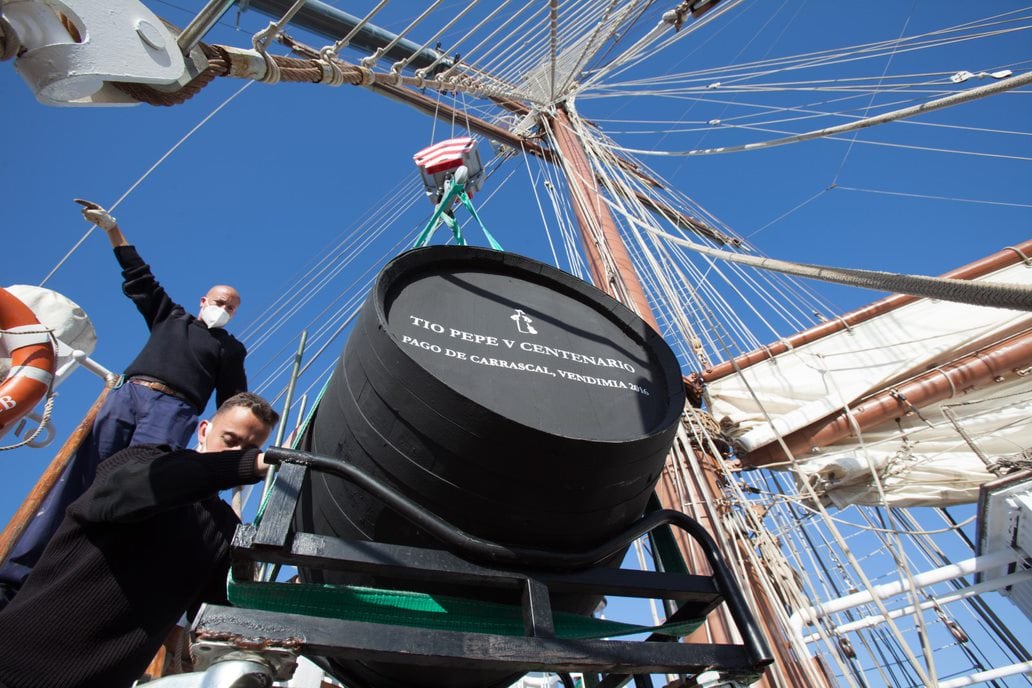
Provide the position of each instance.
(131, 414)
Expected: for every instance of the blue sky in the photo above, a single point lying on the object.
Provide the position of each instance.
(283, 171)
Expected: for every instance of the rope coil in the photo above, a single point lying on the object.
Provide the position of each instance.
(47, 408)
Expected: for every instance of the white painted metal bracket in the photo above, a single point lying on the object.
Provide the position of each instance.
(70, 49)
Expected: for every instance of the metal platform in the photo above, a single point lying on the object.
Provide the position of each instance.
(531, 576)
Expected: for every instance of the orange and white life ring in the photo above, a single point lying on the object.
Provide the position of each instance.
(32, 360)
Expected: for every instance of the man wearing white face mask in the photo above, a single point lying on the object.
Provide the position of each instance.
(161, 395)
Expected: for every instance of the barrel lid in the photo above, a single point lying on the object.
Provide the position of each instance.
(531, 343)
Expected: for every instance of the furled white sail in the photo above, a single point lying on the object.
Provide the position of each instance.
(922, 460)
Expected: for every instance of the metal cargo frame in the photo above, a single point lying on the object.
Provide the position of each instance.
(471, 564)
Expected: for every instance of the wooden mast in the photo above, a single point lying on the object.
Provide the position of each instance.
(613, 272)
(611, 268)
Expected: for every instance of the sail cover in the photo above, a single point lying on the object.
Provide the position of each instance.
(921, 459)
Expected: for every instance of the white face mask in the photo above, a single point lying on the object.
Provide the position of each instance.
(214, 316)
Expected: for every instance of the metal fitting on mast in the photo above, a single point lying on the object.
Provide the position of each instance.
(69, 51)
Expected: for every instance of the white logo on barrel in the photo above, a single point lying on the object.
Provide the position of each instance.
(523, 321)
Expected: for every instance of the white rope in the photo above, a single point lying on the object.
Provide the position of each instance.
(332, 263)
(504, 62)
(591, 46)
(931, 149)
(488, 40)
(146, 174)
(930, 106)
(930, 197)
(731, 74)
(402, 64)
(636, 52)
(541, 210)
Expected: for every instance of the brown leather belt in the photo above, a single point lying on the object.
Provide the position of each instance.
(158, 386)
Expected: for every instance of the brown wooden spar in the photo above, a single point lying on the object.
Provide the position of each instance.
(997, 261)
(991, 365)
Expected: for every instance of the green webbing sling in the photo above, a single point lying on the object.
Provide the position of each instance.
(420, 610)
(454, 190)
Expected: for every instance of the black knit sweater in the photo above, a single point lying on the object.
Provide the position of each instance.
(181, 350)
(148, 541)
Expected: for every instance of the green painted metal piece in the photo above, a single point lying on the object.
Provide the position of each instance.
(421, 610)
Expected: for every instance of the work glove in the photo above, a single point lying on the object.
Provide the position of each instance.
(96, 215)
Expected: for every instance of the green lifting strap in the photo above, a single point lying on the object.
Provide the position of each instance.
(455, 229)
(454, 191)
(420, 610)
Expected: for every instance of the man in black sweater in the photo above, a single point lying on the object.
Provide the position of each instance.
(147, 541)
(160, 397)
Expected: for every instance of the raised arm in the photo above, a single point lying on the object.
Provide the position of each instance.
(139, 283)
(103, 219)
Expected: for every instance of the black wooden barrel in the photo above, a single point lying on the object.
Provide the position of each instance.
(513, 400)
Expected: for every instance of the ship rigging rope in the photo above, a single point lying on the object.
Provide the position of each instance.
(644, 48)
(803, 504)
(927, 196)
(146, 174)
(623, 185)
(910, 658)
(805, 112)
(840, 542)
(734, 73)
(537, 199)
(989, 294)
(813, 593)
(332, 263)
(891, 540)
(930, 106)
(887, 144)
(656, 274)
